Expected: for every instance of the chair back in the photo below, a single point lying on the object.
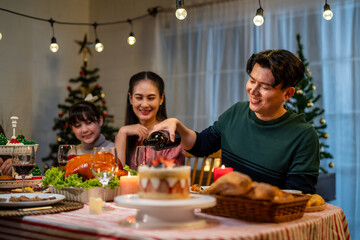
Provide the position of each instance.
(207, 166)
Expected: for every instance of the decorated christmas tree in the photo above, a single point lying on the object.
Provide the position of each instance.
(304, 101)
(84, 86)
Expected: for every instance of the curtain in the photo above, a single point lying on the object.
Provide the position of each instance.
(203, 58)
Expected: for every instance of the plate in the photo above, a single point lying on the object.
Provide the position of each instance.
(8, 150)
(202, 187)
(165, 214)
(316, 208)
(17, 183)
(58, 198)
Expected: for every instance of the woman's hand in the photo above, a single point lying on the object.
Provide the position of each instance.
(134, 130)
(6, 167)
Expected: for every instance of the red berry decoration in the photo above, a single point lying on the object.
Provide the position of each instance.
(97, 86)
(104, 101)
(68, 88)
(61, 114)
(82, 72)
(104, 114)
(66, 125)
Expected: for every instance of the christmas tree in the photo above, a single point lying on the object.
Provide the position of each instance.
(85, 85)
(303, 101)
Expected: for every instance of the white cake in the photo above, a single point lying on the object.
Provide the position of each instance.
(164, 183)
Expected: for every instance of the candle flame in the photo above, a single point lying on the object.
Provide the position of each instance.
(223, 166)
(129, 174)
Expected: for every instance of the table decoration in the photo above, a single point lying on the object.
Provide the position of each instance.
(220, 171)
(129, 184)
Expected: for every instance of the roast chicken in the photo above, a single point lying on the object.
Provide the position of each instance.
(82, 165)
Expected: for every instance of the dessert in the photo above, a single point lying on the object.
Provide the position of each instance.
(164, 180)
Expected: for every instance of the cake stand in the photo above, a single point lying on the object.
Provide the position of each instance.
(153, 214)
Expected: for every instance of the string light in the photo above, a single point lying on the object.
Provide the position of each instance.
(180, 12)
(54, 47)
(327, 14)
(131, 39)
(259, 19)
(99, 47)
(0, 35)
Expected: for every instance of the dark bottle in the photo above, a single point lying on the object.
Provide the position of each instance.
(160, 140)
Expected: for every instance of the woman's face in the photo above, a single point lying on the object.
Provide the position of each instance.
(87, 131)
(146, 100)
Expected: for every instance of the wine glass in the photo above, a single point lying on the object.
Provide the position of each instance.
(65, 153)
(144, 155)
(104, 166)
(24, 159)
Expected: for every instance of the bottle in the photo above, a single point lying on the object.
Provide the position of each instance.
(160, 140)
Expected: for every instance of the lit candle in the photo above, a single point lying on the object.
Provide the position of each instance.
(220, 171)
(128, 184)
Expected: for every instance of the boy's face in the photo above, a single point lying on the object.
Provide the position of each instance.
(87, 131)
(265, 100)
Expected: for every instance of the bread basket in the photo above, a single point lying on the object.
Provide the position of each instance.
(259, 210)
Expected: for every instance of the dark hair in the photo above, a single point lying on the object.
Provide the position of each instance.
(286, 67)
(83, 111)
(130, 117)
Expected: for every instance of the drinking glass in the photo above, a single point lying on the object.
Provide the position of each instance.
(144, 155)
(65, 153)
(24, 159)
(104, 166)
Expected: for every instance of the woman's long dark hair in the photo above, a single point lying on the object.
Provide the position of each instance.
(130, 117)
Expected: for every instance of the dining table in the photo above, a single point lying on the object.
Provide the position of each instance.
(330, 223)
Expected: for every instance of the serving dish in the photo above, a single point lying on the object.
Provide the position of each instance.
(8, 150)
(58, 198)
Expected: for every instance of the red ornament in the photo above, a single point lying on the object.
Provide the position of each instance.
(66, 125)
(61, 114)
(97, 86)
(54, 128)
(68, 88)
(104, 101)
(50, 154)
(104, 114)
(82, 72)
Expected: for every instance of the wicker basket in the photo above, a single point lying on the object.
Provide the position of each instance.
(259, 210)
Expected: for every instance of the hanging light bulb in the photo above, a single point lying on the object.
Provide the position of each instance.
(99, 47)
(180, 12)
(131, 39)
(259, 19)
(54, 47)
(327, 14)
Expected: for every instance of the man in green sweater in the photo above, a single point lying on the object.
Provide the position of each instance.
(261, 137)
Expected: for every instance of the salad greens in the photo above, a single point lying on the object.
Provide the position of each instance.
(56, 177)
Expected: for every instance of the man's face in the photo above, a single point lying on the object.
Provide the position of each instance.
(265, 100)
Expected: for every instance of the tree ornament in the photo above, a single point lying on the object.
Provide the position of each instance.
(326, 136)
(68, 88)
(331, 165)
(59, 139)
(50, 154)
(322, 121)
(97, 86)
(308, 73)
(46, 167)
(105, 114)
(299, 91)
(322, 149)
(66, 126)
(61, 114)
(102, 95)
(310, 104)
(54, 128)
(313, 87)
(104, 101)
(82, 73)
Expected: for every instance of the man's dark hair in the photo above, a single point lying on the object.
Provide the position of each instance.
(286, 67)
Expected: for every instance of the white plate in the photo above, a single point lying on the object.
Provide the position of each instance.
(202, 187)
(8, 150)
(165, 214)
(17, 183)
(30, 195)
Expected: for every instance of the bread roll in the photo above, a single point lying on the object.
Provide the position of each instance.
(231, 184)
(264, 191)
